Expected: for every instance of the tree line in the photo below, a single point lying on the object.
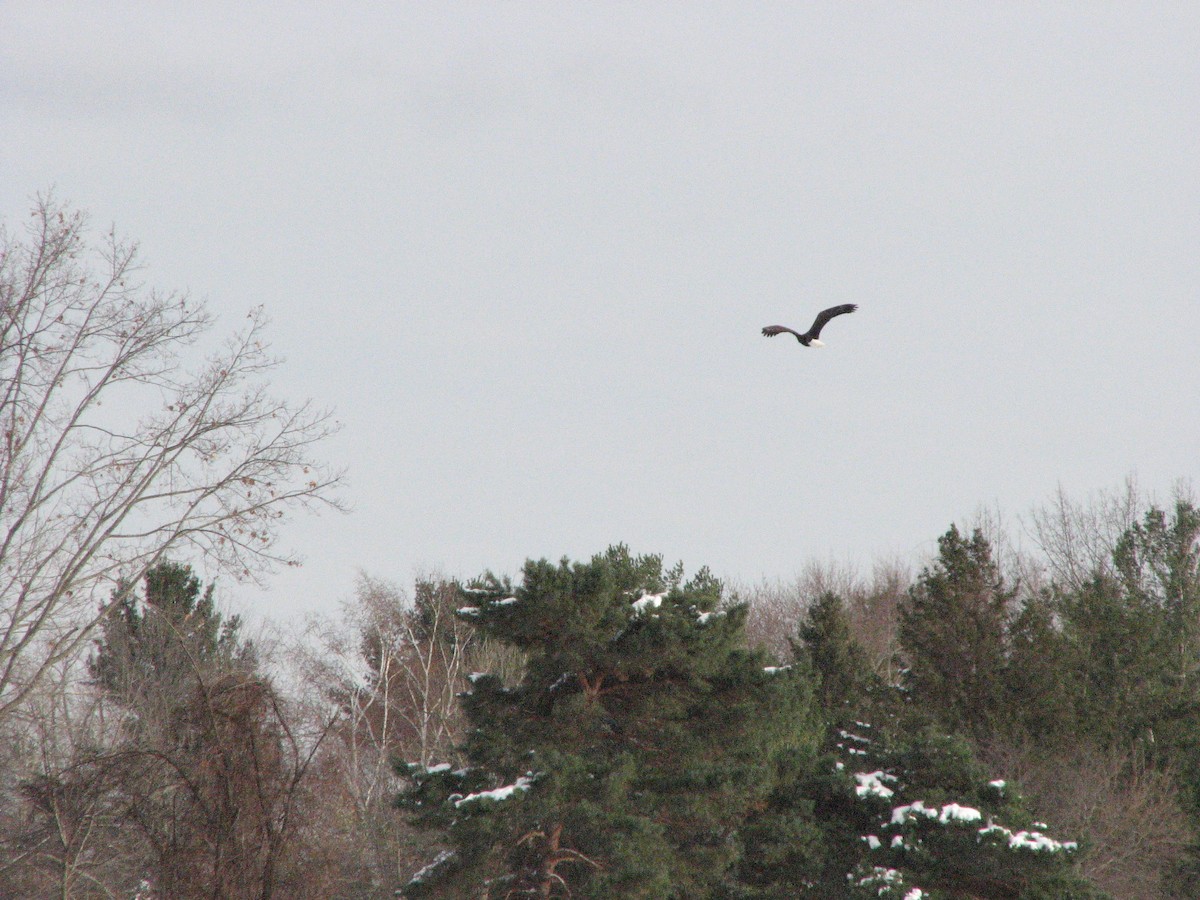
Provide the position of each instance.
(998, 724)
(613, 728)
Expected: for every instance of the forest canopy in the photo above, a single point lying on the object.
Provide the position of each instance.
(994, 725)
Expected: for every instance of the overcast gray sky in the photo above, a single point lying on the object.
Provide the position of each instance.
(525, 250)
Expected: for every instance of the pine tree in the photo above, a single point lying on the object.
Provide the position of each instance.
(903, 812)
(1042, 697)
(953, 633)
(639, 743)
(827, 646)
(153, 648)
(924, 821)
(1131, 639)
(904, 808)
(1158, 564)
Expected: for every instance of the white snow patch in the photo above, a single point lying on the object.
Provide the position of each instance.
(871, 784)
(1030, 840)
(507, 601)
(998, 784)
(425, 872)
(648, 601)
(881, 877)
(497, 794)
(901, 814)
(468, 610)
(775, 670)
(956, 813)
(951, 812)
(886, 881)
(872, 841)
(1035, 840)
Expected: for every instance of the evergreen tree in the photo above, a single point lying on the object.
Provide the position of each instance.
(904, 809)
(785, 858)
(1131, 639)
(1041, 692)
(1115, 662)
(1158, 563)
(827, 646)
(919, 818)
(153, 648)
(953, 634)
(640, 742)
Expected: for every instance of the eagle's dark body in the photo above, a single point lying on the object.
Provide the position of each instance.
(810, 337)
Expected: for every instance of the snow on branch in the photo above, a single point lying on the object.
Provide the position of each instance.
(497, 794)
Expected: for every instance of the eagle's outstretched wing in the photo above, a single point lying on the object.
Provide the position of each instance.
(772, 330)
(826, 314)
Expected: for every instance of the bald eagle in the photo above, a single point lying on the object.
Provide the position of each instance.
(809, 338)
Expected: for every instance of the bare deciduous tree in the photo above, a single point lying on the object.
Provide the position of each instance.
(874, 610)
(114, 451)
(176, 770)
(417, 656)
(220, 806)
(1129, 815)
(59, 835)
(392, 676)
(1078, 537)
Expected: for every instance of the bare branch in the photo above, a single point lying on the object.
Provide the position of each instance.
(116, 448)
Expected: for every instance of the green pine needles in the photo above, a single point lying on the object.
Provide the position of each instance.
(646, 753)
(641, 738)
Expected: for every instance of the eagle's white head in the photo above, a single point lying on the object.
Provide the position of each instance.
(815, 343)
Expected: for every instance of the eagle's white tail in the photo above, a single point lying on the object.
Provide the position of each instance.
(815, 343)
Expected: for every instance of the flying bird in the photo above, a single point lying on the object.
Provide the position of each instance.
(809, 338)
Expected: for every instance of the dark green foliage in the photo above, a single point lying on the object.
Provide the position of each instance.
(953, 634)
(956, 827)
(1115, 661)
(909, 809)
(916, 810)
(1158, 561)
(1158, 564)
(646, 754)
(1130, 647)
(826, 645)
(154, 646)
(882, 756)
(1111, 662)
(1041, 704)
(641, 740)
(1133, 654)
